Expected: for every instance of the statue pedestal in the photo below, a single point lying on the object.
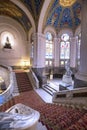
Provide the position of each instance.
(67, 80)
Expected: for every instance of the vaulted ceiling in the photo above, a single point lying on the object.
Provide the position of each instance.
(7, 8)
(64, 13)
(34, 6)
(58, 15)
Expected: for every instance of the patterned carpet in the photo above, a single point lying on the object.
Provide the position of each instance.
(23, 82)
(53, 116)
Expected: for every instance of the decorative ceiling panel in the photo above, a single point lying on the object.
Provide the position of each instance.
(66, 3)
(9, 9)
(34, 6)
(60, 16)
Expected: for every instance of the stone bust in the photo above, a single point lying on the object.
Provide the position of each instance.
(7, 44)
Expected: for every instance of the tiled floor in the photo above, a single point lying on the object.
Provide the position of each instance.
(44, 95)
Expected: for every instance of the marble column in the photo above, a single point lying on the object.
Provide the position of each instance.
(39, 50)
(56, 52)
(81, 75)
(73, 52)
(39, 57)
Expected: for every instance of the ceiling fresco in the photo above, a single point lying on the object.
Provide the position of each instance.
(9, 9)
(61, 16)
(34, 6)
(58, 15)
(66, 3)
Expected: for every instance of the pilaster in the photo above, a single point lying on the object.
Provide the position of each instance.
(81, 75)
(56, 52)
(73, 42)
(39, 50)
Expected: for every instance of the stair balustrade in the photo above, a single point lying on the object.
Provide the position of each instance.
(4, 96)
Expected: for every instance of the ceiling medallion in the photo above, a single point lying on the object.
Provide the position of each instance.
(66, 3)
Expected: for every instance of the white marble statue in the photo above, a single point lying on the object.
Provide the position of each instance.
(67, 78)
(67, 67)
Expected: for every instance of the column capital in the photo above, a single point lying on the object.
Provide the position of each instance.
(36, 35)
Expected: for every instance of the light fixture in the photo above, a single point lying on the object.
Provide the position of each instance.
(25, 64)
(66, 3)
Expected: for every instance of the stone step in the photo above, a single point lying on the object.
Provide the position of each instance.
(23, 82)
(51, 88)
(48, 90)
(41, 127)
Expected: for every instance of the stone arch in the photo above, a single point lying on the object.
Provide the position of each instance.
(31, 31)
(12, 26)
(42, 15)
(19, 4)
(19, 49)
(68, 31)
(50, 29)
(78, 30)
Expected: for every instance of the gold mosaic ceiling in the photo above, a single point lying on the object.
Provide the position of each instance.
(62, 13)
(66, 3)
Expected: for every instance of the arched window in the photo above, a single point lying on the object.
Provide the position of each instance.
(78, 49)
(64, 49)
(49, 49)
(31, 49)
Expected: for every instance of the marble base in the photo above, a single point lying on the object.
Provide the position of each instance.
(79, 83)
(80, 80)
(63, 86)
(67, 80)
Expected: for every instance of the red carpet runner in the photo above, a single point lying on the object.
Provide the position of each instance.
(23, 82)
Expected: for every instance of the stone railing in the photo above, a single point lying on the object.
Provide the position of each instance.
(7, 93)
(33, 79)
(76, 96)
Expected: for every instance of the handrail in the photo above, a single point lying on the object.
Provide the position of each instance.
(33, 79)
(75, 96)
(7, 93)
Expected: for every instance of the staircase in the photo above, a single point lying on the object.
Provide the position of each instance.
(49, 89)
(23, 82)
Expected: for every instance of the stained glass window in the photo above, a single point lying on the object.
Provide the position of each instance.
(64, 48)
(32, 49)
(49, 45)
(49, 49)
(78, 49)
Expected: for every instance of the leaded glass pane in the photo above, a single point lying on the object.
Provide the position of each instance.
(64, 48)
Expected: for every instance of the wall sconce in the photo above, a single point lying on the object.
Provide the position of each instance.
(7, 44)
(25, 64)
